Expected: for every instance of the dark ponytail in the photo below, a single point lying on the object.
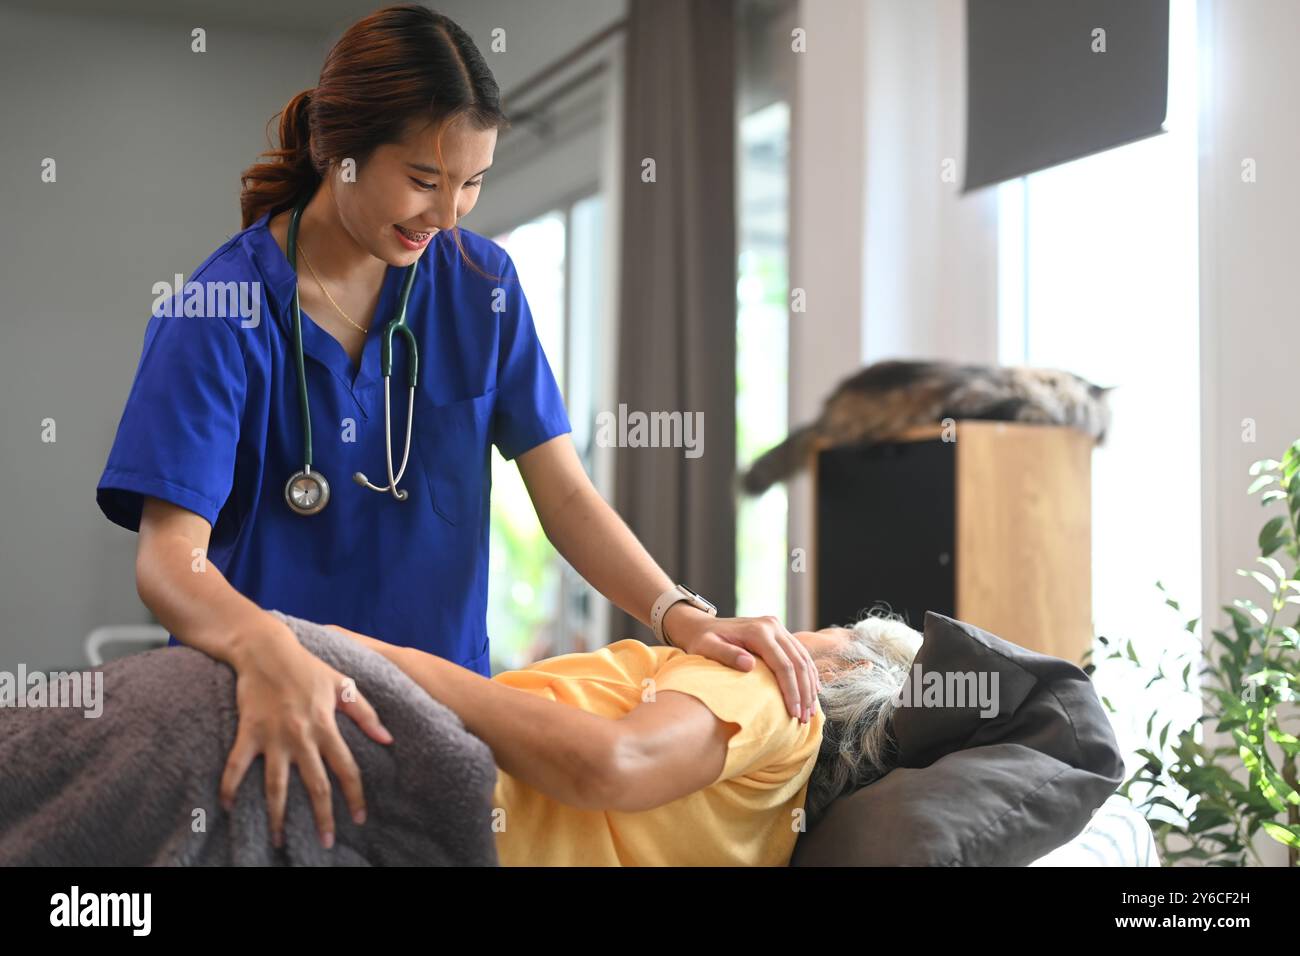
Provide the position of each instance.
(397, 64)
(290, 175)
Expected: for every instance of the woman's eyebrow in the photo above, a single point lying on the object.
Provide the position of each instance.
(434, 169)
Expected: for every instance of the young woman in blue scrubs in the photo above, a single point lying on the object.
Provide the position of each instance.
(384, 156)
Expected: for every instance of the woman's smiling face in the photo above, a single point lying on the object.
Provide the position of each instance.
(401, 185)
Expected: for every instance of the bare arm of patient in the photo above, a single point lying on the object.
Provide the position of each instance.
(659, 752)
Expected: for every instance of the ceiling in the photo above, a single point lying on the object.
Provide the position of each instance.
(538, 31)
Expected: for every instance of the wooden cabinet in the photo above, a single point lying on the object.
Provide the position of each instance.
(992, 527)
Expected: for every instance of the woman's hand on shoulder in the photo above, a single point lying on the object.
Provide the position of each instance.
(731, 641)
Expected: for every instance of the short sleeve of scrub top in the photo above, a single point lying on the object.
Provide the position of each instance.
(529, 408)
(213, 424)
(180, 428)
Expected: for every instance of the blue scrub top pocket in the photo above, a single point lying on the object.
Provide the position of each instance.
(453, 442)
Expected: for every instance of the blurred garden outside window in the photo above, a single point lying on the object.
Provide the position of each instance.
(538, 606)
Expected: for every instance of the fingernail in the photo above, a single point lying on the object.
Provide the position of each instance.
(327, 840)
(277, 839)
(359, 817)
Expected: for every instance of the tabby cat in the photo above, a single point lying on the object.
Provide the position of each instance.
(889, 397)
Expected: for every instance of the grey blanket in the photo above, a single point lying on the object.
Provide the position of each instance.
(139, 785)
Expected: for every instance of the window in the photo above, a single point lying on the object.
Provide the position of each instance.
(762, 353)
(1098, 276)
(538, 606)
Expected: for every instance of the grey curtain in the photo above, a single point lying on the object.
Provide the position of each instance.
(677, 309)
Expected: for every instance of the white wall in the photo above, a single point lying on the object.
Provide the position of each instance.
(931, 253)
(827, 155)
(1250, 285)
(149, 139)
(899, 264)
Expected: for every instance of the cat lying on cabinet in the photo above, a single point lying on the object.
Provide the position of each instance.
(889, 397)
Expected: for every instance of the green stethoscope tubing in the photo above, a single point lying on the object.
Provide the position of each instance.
(307, 491)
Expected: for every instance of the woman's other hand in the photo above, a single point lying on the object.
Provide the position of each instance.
(727, 639)
(287, 698)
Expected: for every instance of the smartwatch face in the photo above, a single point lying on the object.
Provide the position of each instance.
(696, 595)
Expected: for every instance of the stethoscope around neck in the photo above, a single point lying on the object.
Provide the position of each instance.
(307, 491)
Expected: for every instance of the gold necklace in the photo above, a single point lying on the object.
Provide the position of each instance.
(327, 293)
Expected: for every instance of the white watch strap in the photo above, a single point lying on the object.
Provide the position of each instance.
(666, 600)
(660, 608)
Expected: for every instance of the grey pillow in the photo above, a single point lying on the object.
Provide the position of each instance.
(972, 790)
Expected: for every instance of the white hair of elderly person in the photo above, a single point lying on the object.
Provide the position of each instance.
(863, 669)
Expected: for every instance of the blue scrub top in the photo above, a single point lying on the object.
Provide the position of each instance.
(213, 424)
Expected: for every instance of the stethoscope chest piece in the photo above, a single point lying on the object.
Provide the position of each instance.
(307, 492)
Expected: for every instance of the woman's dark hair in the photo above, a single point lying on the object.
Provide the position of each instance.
(397, 64)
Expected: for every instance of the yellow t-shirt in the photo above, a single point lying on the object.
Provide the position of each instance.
(750, 816)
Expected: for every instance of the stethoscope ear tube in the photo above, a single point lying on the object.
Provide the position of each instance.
(307, 491)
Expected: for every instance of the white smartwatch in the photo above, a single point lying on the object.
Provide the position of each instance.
(678, 592)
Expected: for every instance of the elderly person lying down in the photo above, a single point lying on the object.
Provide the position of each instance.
(645, 755)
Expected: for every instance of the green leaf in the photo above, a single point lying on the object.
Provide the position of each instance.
(1261, 482)
(1267, 583)
(1207, 821)
(1271, 495)
(1288, 742)
(1163, 802)
(1267, 782)
(1250, 607)
(1268, 537)
(1272, 565)
(1264, 464)
(1226, 840)
(1152, 758)
(1267, 675)
(1287, 836)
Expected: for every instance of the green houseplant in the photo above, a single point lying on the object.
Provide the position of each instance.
(1248, 688)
